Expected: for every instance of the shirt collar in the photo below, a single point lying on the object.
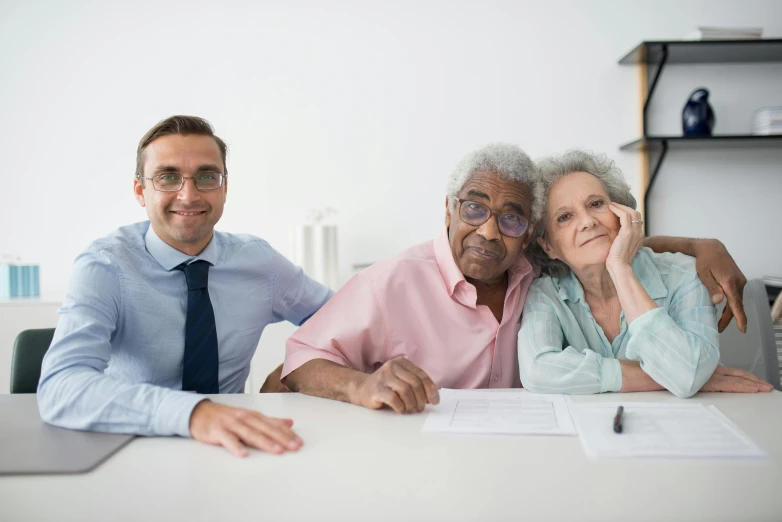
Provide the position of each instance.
(452, 276)
(644, 268)
(170, 258)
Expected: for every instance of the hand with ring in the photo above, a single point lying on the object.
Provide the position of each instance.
(630, 237)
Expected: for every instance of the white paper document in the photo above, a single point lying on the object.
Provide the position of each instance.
(502, 413)
(660, 430)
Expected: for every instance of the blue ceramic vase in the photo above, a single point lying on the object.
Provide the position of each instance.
(697, 116)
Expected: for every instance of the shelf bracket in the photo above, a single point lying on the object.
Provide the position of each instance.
(655, 77)
(657, 164)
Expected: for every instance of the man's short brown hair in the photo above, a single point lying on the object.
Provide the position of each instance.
(183, 125)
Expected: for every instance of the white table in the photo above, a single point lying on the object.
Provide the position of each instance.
(359, 464)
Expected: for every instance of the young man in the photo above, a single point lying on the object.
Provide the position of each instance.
(160, 309)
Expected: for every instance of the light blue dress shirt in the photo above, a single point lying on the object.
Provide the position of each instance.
(115, 364)
(562, 349)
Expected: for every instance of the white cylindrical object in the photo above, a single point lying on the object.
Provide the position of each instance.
(326, 268)
(304, 253)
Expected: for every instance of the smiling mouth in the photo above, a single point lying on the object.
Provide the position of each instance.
(590, 240)
(188, 214)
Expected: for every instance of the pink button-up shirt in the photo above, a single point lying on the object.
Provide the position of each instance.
(418, 305)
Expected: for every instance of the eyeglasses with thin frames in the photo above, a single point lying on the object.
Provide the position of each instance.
(174, 182)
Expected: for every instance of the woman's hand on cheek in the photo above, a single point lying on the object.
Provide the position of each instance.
(629, 239)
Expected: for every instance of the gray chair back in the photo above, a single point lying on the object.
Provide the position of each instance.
(754, 351)
(29, 348)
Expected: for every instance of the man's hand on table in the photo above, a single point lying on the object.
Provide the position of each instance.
(236, 429)
(398, 384)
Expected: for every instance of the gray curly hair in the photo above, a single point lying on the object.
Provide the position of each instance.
(509, 161)
(549, 171)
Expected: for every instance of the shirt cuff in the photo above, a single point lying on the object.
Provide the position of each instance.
(611, 375)
(173, 413)
(647, 320)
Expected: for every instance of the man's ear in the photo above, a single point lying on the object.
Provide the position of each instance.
(447, 214)
(547, 248)
(138, 191)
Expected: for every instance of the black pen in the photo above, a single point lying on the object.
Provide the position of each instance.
(618, 420)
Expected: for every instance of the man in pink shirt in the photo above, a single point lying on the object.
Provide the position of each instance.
(443, 314)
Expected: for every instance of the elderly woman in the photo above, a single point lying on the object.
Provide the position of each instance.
(609, 314)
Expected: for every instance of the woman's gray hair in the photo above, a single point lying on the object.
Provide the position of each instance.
(509, 161)
(549, 171)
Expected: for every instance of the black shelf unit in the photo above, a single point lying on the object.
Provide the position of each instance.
(716, 141)
(653, 56)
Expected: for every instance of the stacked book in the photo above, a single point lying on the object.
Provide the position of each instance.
(18, 280)
(767, 120)
(725, 33)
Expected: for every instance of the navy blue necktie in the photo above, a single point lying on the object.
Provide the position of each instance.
(199, 372)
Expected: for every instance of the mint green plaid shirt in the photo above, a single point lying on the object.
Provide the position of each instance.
(562, 349)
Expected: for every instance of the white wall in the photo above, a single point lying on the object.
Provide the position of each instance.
(363, 106)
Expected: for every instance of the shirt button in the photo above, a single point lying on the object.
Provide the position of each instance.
(495, 378)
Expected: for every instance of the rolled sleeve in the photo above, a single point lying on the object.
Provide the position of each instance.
(610, 375)
(678, 348)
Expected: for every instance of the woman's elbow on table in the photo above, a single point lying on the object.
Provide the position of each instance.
(702, 373)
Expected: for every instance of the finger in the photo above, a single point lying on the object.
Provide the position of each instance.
(404, 390)
(727, 384)
(232, 443)
(711, 284)
(389, 397)
(736, 305)
(757, 381)
(415, 384)
(737, 372)
(740, 385)
(727, 315)
(255, 439)
(276, 430)
(624, 222)
(627, 209)
(620, 213)
(432, 393)
(764, 387)
(629, 214)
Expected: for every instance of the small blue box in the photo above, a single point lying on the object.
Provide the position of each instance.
(19, 281)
